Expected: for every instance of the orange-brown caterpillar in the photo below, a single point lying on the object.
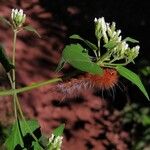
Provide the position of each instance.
(88, 81)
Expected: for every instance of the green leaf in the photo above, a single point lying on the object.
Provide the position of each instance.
(31, 29)
(36, 146)
(88, 43)
(4, 60)
(4, 20)
(145, 120)
(74, 54)
(59, 130)
(129, 39)
(33, 124)
(28, 88)
(60, 65)
(111, 44)
(134, 78)
(16, 137)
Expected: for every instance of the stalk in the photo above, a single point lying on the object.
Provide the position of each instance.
(12, 80)
(99, 51)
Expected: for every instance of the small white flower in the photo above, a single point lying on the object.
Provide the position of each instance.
(137, 48)
(95, 20)
(18, 17)
(109, 31)
(126, 46)
(21, 12)
(51, 138)
(103, 24)
(101, 28)
(118, 32)
(58, 141)
(55, 142)
(114, 33)
(119, 39)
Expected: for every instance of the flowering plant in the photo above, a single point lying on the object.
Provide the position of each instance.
(111, 51)
(23, 127)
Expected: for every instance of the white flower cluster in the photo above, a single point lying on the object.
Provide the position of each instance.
(100, 28)
(55, 142)
(112, 38)
(18, 17)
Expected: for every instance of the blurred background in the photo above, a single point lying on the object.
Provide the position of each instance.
(93, 121)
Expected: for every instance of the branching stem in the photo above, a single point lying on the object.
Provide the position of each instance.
(12, 79)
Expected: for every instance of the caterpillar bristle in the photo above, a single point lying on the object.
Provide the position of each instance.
(75, 87)
(108, 79)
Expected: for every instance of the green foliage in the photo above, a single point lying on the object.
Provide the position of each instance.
(75, 55)
(59, 130)
(18, 133)
(116, 50)
(36, 146)
(134, 78)
(4, 132)
(60, 65)
(55, 141)
(5, 21)
(145, 71)
(129, 39)
(139, 118)
(25, 135)
(31, 29)
(4, 60)
(88, 43)
(20, 136)
(111, 44)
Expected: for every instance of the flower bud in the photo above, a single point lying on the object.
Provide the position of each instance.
(113, 26)
(55, 142)
(119, 39)
(100, 29)
(135, 51)
(131, 54)
(18, 17)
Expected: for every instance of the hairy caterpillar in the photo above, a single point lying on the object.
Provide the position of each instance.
(88, 81)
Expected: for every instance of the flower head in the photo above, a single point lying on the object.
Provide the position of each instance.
(133, 53)
(100, 28)
(18, 17)
(55, 142)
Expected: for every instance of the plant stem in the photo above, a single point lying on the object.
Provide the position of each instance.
(13, 60)
(102, 59)
(28, 88)
(95, 54)
(15, 107)
(23, 118)
(114, 64)
(13, 85)
(12, 80)
(99, 46)
(113, 60)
